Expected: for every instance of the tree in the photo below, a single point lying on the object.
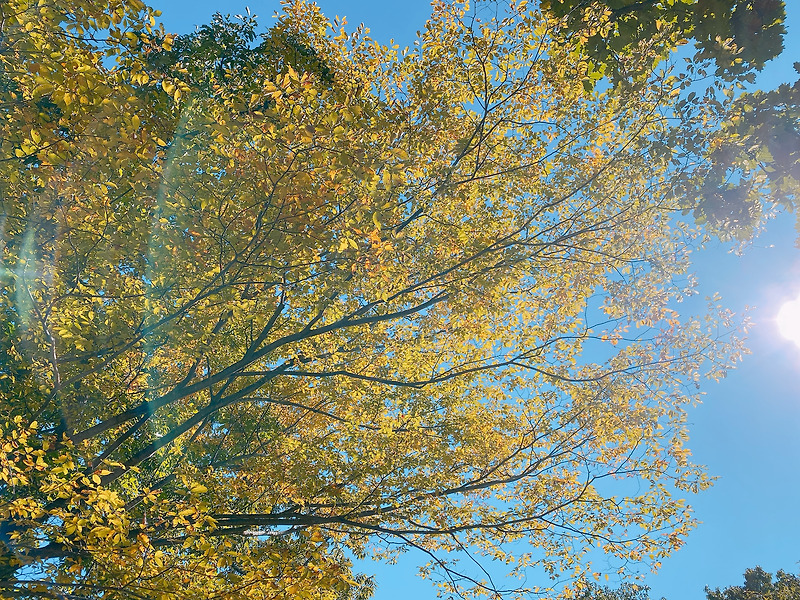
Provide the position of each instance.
(758, 585)
(754, 161)
(751, 164)
(739, 35)
(626, 591)
(270, 299)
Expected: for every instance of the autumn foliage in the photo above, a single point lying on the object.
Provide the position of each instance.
(270, 301)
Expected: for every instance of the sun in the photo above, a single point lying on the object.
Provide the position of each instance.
(789, 320)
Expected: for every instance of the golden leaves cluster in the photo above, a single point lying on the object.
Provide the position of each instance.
(343, 296)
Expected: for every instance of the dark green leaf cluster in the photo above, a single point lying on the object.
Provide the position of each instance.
(755, 28)
(759, 585)
(228, 51)
(755, 156)
(627, 591)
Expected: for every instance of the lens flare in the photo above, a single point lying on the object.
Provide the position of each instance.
(789, 320)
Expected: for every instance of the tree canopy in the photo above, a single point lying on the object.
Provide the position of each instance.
(759, 585)
(627, 591)
(739, 35)
(754, 161)
(271, 300)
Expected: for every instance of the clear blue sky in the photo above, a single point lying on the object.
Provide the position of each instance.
(747, 431)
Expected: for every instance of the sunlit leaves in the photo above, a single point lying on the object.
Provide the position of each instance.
(272, 298)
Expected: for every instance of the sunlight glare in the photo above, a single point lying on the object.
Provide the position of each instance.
(789, 320)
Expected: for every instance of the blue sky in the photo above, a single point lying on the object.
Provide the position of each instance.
(747, 431)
